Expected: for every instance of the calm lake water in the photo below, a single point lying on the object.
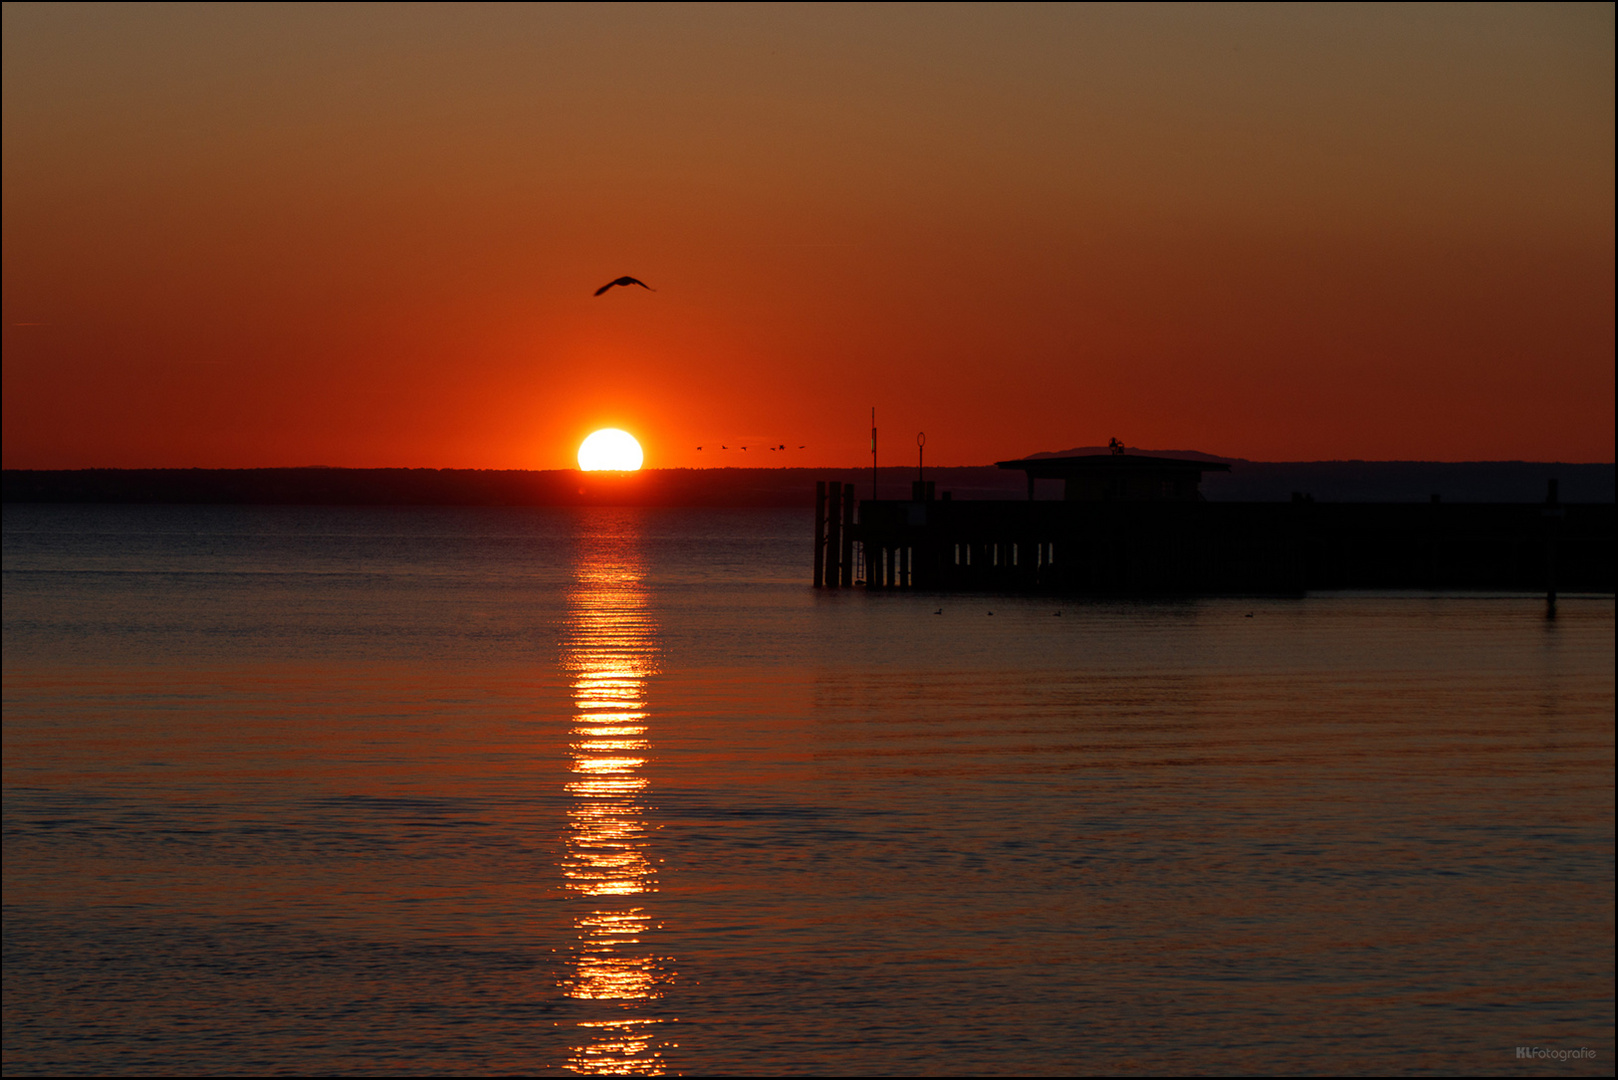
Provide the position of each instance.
(481, 791)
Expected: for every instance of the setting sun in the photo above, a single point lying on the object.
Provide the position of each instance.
(610, 449)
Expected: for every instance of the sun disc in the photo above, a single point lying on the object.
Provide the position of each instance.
(610, 449)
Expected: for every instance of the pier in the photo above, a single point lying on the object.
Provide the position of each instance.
(1132, 525)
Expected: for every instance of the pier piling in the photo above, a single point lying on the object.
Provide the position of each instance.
(820, 533)
(834, 539)
(846, 551)
(1553, 515)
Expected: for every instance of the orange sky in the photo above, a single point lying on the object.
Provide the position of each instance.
(368, 236)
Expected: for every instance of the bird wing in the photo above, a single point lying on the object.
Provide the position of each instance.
(625, 280)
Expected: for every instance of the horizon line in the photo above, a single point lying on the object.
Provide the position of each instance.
(762, 468)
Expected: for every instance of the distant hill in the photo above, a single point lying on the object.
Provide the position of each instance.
(1183, 455)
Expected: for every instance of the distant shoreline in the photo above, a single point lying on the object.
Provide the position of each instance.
(1248, 481)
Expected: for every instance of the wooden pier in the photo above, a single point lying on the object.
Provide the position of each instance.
(1180, 544)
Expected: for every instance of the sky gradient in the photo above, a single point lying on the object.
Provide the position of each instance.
(368, 236)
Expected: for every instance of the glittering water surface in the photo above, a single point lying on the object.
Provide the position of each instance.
(511, 791)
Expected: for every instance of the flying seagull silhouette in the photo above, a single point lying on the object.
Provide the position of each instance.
(625, 280)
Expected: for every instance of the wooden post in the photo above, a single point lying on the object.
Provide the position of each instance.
(848, 536)
(1553, 513)
(1434, 568)
(834, 543)
(820, 533)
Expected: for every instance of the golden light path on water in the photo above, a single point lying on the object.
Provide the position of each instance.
(611, 649)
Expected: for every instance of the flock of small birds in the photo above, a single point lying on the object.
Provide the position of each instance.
(627, 281)
(783, 446)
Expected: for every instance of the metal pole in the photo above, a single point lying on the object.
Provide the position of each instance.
(873, 453)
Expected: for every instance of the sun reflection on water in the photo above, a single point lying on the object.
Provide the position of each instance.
(611, 649)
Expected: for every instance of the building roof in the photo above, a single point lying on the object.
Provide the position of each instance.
(1050, 468)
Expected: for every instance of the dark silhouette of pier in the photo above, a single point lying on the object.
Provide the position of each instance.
(1129, 524)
